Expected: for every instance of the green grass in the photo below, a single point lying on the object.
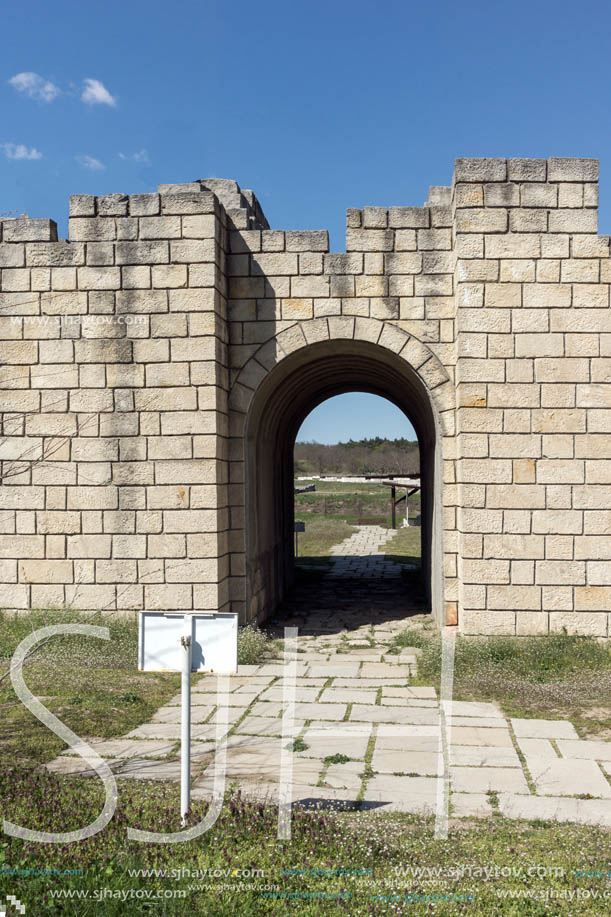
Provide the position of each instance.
(254, 645)
(555, 675)
(92, 685)
(321, 533)
(376, 846)
(351, 500)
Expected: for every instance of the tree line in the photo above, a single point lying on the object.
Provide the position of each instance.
(364, 456)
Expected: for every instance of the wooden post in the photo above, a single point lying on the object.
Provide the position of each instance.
(393, 511)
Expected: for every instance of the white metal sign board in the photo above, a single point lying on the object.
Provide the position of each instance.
(214, 641)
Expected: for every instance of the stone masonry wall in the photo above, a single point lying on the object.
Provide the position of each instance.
(123, 423)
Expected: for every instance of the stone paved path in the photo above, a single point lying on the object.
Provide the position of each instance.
(371, 739)
(361, 555)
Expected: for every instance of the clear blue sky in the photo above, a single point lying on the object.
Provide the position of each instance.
(316, 106)
(356, 415)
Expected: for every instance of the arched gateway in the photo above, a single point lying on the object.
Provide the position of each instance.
(157, 366)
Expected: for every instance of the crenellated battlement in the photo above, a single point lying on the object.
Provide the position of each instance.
(145, 358)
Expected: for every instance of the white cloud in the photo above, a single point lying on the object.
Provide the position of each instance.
(88, 162)
(96, 93)
(20, 151)
(141, 157)
(35, 86)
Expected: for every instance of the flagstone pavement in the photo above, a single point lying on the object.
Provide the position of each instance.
(367, 737)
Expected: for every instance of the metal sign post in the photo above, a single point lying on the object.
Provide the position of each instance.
(299, 527)
(185, 721)
(178, 642)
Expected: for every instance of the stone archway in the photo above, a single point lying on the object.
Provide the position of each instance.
(274, 392)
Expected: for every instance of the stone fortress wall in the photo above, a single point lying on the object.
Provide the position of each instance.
(135, 356)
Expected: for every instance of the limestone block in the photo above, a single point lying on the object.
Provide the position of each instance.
(489, 623)
(159, 597)
(12, 256)
(200, 227)
(274, 263)
(514, 597)
(45, 571)
(190, 250)
(272, 240)
(565, 369)
(375, 217)
(484, 571)
(560, 471)
(539, 194)
(527, 170)
(560, 572)
(369, 240)
(578, 220)
(308, 241)
(409, 217)
(480, 170)
(513, 245)
(515, 496)
(26, 229)
(309, 286)
(592, 547)
(187, 521)
(574, 170)
(528, 220)
(580, 623)
(434, 239)
(405, 240)
(485, 219)
(593, 598)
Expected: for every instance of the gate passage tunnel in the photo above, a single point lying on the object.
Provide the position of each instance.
(286, 396)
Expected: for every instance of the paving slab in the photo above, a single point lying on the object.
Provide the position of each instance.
(301, 694)
(349, 695)
(582, 748)
(266, 709)
(346, 776)
(201, 699)
(488, 779)
(484, 721)
(409, 702)
(567, 777)
(320, 711)
(402, 715)
(425, 763)
(399, 672)
(469, 709)
(544, 729)
(561, 809)
(127, 748)
(333, 670)
(231, 714)
(66, 765)
(268, 726)
(478, 735)
(170, 731)
(483, 756)
(364, 683)
(541, 748)
(233, 699)
(172, 714)
(410, 693)
(402, 794)
(277, 668)
(407, 743)
(145, 769)
(473, 805)
(339, 743)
